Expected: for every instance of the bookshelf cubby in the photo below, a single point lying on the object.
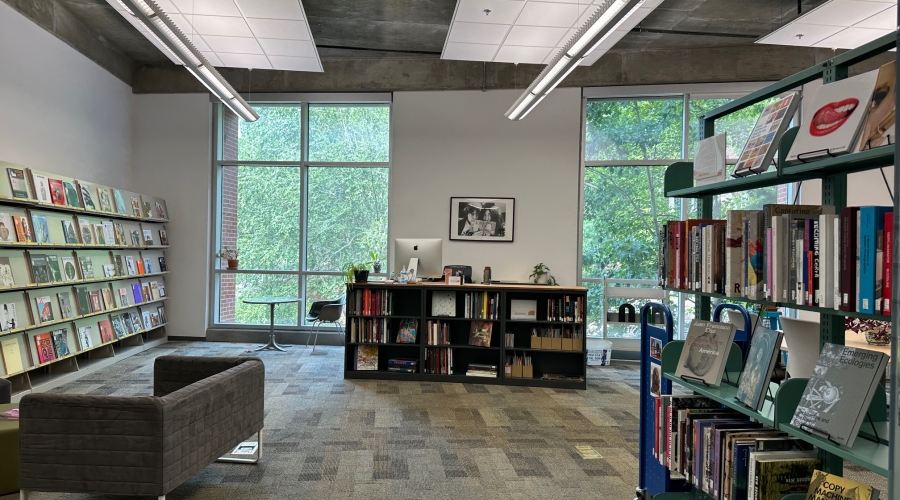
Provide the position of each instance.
(415, 301)
(80, 259)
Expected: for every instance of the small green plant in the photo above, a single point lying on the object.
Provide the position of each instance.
(537, 275)
(351, 269)
(227, 253)
(376, 261)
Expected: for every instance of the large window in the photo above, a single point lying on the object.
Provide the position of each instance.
(301, 192)
(628, 143)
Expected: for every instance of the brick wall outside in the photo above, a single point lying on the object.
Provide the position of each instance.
(229, 214)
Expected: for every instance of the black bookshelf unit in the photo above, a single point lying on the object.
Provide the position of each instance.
(561, 364)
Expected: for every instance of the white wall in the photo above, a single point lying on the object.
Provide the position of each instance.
(59, 111)
(458, 143)
(172, 157)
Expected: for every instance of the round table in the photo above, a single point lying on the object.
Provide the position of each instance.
(9, 452)
(272, 301)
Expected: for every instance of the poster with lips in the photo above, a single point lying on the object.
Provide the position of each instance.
(831, 125)
(759, 150)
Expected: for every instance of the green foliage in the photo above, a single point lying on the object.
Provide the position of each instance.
(351, 133)
(227, 253)
(540, 270)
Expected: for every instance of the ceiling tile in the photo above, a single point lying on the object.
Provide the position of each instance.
(477, 33)
(469, 51)
(884, 20)
(841, 13)
(525, 55)
(207, 7)
(533, 36)
(501, 11)
(199, 42)
(851, 38)
(565, 39)
(296, 63)
(272, 9)
(221, 26)
(549, 57)
(212, 58)
(233, 44)
(548, 14)
(799, 34)
(182, 23)
(244, 61)
(293, 48)
(277, 28)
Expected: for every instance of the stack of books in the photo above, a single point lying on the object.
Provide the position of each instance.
(403, 365)
(480, 370)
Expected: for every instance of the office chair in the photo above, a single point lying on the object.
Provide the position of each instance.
(329, 312)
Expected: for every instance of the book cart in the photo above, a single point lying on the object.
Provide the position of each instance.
(654, 478)
(140, 221)
(876, 453)
(558, 362)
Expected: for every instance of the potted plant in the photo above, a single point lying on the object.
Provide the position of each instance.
(230, 255)
(376, 261)
(356, 272)
(541, 275)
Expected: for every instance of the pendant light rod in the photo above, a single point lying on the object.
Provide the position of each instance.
(160, 26)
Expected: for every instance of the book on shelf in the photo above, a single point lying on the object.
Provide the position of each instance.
(759, 150)
(23, 229)
(879, 128)
(66, 310)
(148, 237)
(55, 270)
(104, 200)
(85, 337)
(136, 321)
(9, 317)
(96, 304)
(443, 303)
(130, 268)
(366, 357)
(40, 268)
(523, 310)
(119, 328)
(163, 237)
(69, 234)
(481, 370)
(106, 331)
(774, 474)
(148, 210)
(129, 324)
(837, 395)
(71, 195)
(406, 334)
(41, 229)
(17, 183)
(100, 234)
(438, 333)
(84, 304)
(438, 360)
(60, 342)
(568, 309)
(871, 257)
(41, 187)
(480, 334)
(57, 193)
(86, 197)
(6, 273)
(137, 293)
(123, 297)
(705, 352)
(135, 207)
(884, 304)
(162, 314)
(162, 265)
(825, 486)
(119, 198)
(832, 125)
(43, 344)
(44, 309)
(371, 302)
(139, 267)
(87, 267)
(147, 320)
(12, 356)
(482, 305)
(7, 228)
(69, 272)
(135, 238)
(108, 303)
(369, 330)
(403, 365)
(765, 347)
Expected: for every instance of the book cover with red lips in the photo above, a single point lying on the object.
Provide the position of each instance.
(833, 121)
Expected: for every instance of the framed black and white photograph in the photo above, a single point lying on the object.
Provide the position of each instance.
(482, 219)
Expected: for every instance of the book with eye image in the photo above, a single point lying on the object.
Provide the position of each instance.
(705, 352)
(838, 393)
(765, 346)
(880, 126)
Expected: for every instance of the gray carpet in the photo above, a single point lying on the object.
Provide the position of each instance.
(329, 438)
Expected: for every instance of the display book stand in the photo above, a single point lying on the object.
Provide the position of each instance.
(414, 301)
(880, 455)
(150, 214)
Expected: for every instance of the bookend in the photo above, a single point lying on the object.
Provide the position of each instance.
(874, 430)
(817, 153)
(697, 380)
(631, 313)
(815, 431)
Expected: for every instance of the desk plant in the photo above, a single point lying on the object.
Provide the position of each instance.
(541, 275)
(230, 255)
(356, 272)
(376, 261)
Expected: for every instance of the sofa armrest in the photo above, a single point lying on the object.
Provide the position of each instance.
(95, 444)
(171, 373)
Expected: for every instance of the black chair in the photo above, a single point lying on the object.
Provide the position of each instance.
(325, 311)
(5, 391)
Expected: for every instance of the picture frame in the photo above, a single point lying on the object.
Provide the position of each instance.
(482, 219)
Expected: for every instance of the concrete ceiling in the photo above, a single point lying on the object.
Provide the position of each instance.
(400, 28)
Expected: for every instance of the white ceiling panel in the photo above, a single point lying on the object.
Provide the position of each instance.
(199, 43)
(562, 15)
(221, 26)
(252, 61)
(272, 9)
(213, 58)
(233, 44)
(501, 11)
(884, 20)
(850, 38)
(799, 34)
(533, 36)
(292, 48)
(469, 51)
(478, 33)
(295, 63)
(842, 12)
(527, 55)
(279, 28)
(206, 7)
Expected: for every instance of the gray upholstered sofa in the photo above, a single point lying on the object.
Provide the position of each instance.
(201, 409)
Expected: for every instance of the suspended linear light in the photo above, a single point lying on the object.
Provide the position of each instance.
(610, 15)
(158, 25)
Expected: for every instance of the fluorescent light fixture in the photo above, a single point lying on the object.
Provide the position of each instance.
(837, 24)
(610, 14)
(157, 24)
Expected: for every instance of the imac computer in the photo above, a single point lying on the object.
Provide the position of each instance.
(427, 250)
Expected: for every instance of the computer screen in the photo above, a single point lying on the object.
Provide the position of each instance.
(427, 250)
